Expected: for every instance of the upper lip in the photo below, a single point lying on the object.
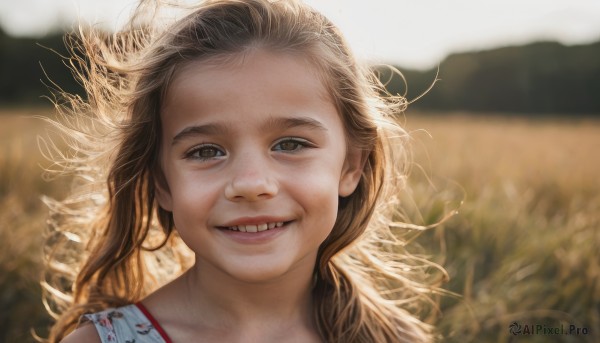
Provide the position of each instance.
(254, 220)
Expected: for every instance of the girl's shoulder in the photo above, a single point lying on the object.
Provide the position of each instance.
(127, 324)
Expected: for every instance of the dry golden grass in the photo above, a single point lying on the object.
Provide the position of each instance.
(524, 246)
(22, 216)
(498, 150)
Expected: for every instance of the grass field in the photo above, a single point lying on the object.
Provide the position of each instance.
(523, 248)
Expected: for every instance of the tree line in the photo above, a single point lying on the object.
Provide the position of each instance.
(539, 78)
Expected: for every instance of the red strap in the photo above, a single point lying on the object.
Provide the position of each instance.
(157, 326)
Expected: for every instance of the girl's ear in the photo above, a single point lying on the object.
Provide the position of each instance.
(163, 194)
(352, 171)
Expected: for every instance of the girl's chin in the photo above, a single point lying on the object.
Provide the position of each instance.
(261, 273)
(268, 269)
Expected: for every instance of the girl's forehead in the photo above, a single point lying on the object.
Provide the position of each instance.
(250, 67)
(245, 88)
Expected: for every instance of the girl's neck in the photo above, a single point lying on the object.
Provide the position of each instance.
(287, 298)
(206, 304)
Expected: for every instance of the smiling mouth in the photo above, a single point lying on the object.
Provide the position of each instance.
(256, 227)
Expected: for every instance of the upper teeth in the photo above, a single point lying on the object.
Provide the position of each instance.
(255, 228)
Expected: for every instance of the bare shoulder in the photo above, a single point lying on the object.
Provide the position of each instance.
(85, 333)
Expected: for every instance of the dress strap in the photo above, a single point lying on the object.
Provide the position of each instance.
(154, 322)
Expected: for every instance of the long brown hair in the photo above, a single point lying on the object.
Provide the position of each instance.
(104, 239)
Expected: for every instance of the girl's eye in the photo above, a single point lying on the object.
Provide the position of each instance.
(205, 152)
(291, 144)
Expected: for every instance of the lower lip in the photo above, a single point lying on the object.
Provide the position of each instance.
(254, 237)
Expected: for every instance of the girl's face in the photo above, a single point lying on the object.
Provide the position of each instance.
(254, 157)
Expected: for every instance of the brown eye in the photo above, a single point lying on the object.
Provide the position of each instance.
(205, 152)
(291, 145)
(288, 145)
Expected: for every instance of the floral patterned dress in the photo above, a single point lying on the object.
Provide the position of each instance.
(128, 324)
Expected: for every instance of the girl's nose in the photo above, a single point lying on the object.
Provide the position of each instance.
(252, 180)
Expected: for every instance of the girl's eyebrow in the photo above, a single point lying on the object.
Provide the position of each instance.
(197, 130)
(280, 123)
(283, 123)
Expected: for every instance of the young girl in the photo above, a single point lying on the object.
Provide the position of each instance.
(246, 131)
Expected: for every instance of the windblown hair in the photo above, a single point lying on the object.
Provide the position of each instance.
(104, 239)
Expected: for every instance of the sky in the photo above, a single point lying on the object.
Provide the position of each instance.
(415, 34)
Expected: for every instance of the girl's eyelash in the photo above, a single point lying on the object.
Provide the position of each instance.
(302, 143)
(204, 152)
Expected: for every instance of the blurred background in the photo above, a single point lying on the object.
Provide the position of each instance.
(509, 136)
